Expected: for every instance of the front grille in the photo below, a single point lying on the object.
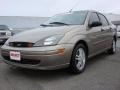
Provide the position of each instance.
(23, 61)
(3, 33)
(20, 44)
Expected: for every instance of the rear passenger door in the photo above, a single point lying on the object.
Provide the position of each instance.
(106, 31)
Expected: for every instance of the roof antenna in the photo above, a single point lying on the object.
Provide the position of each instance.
(74, 6)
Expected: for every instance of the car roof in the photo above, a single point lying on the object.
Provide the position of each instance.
(86, 11)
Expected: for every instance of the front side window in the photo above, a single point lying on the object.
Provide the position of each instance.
(93, 18)
(71, 18)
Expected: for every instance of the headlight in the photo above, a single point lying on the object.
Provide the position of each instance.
(49, 41)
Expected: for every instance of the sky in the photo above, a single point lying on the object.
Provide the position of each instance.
(46, 8)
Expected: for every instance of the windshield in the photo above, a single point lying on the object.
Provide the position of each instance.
(72, 18)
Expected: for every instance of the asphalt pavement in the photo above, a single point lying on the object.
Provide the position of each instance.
(102, 73)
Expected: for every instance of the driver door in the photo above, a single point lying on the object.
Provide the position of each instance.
(95, 35)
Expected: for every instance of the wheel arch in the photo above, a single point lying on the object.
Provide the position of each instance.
(84, 43)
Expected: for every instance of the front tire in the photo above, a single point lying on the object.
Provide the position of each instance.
(78, 59)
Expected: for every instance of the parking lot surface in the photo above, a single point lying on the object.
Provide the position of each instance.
(102, 73)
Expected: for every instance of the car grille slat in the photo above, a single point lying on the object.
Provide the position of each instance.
(20, 44)
(3, 33)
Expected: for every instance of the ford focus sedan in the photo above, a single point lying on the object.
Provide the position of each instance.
(66, 40)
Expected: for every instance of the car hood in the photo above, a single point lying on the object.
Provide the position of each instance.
(37, 34)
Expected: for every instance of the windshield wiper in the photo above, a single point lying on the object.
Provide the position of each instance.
(60, 23)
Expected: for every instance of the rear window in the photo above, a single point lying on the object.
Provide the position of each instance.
(3, 27)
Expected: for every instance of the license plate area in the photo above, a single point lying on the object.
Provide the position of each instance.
(15, 55)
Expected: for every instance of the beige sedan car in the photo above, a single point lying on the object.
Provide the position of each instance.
(66, 40)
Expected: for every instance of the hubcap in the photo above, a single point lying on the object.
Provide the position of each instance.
(81, 58)
(114, 46)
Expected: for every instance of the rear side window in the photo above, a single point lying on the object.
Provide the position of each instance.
(103, 20)
(93, 18)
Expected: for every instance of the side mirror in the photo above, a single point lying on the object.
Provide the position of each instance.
(95, 24)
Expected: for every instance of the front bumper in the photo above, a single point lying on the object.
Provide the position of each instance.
(44, 58)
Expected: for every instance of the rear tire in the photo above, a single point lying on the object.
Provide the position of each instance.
(112, 50)
(78, 59)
